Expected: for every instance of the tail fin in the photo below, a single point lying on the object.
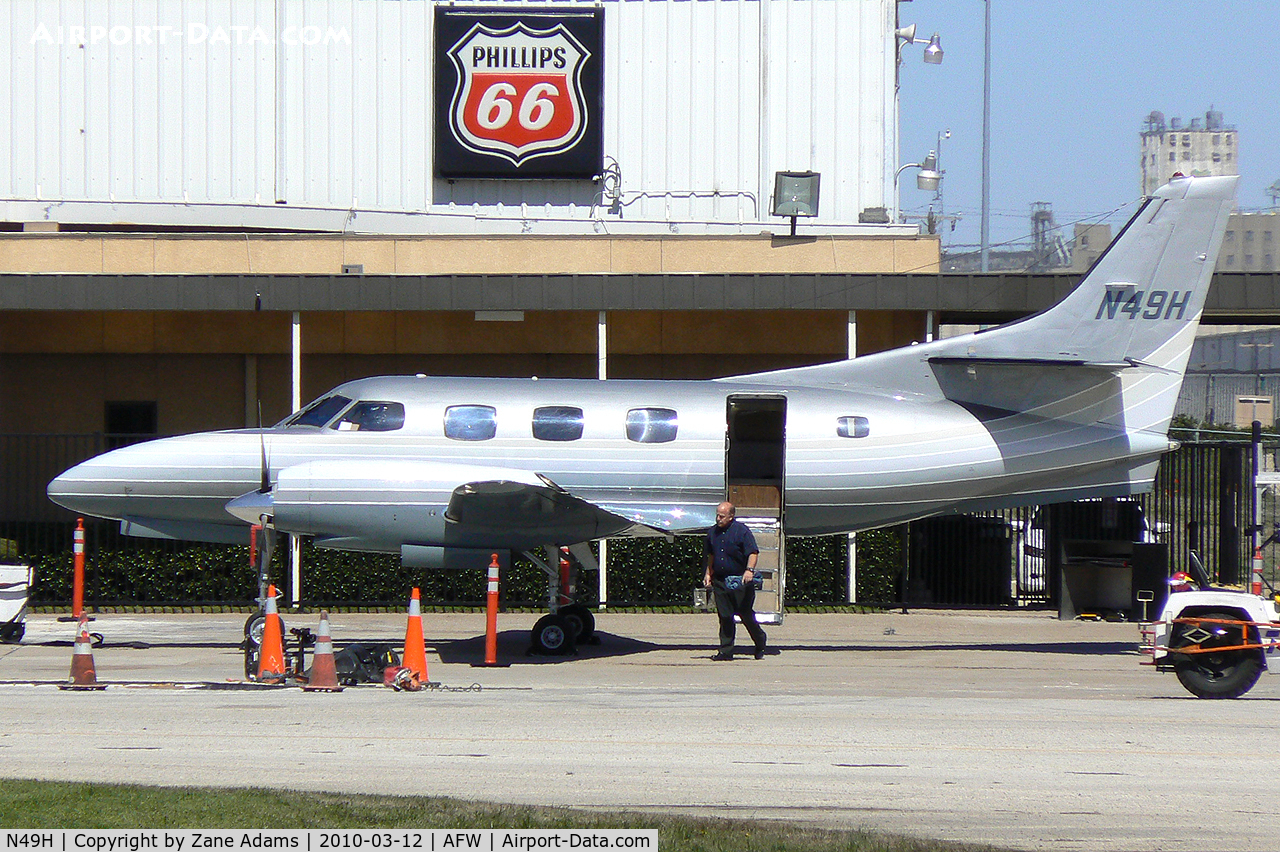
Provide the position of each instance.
(1146, 290)
(1112, 352)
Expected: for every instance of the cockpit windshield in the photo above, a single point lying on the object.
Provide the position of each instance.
(319, 412)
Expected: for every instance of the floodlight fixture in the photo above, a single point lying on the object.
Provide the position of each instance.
(795, 194)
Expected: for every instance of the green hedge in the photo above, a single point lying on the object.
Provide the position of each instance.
(642, 572)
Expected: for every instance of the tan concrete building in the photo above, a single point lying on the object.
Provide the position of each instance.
(1252, 243)
(1200, 147)
(75, 370)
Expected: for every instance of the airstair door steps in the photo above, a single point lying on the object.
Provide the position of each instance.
(755, 460)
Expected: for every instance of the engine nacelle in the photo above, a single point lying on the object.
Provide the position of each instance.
(381, 504)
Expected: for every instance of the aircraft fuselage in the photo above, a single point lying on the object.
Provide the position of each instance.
(849, 459)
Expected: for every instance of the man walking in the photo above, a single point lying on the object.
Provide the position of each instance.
(731, 560)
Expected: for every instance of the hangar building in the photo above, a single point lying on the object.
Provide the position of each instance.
(216, 209)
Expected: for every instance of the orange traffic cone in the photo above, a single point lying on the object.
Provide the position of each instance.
(324, 673)
(83, 675)
(271, 668)
(415, 647)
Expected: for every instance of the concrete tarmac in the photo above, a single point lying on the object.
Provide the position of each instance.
(1013, 729)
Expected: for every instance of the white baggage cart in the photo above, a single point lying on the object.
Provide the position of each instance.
(15, 585)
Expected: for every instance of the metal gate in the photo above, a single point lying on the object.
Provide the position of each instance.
(1201, 501)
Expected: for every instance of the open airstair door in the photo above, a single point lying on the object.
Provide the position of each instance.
(754, 465)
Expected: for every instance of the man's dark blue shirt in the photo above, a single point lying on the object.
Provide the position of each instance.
(729, 548)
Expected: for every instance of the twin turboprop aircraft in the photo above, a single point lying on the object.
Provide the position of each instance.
(1072, 402)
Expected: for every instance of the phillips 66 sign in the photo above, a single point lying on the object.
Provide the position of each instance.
(518, 95)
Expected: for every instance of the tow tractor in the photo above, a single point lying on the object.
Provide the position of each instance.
(1217, 641)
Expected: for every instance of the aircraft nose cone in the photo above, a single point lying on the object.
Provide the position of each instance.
(84, 489)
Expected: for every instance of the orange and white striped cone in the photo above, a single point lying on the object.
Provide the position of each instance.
(415, 646)
(83, 674)
(324, 672)
(491, 621)
(1256, 583)
(271, 667)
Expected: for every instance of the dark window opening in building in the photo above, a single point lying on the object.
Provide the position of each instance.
(130, 422)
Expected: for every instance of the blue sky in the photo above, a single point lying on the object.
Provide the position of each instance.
(1071, 83)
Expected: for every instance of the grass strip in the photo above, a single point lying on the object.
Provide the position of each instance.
(55, 804)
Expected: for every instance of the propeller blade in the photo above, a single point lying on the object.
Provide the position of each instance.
(264, 483)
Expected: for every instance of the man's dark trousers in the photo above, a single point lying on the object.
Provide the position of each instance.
(742, 603)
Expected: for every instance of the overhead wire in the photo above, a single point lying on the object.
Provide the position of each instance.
(930, 267)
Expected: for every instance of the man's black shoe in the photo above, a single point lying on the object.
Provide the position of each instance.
(759, 653)
(722, 657)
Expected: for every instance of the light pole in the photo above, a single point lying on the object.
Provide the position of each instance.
(986, 140)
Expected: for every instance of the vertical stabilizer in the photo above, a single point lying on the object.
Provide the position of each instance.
(1144, 296)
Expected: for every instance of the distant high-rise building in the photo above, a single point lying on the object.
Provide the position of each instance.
(1205, 147)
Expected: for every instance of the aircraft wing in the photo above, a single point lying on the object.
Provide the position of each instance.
(499, 508)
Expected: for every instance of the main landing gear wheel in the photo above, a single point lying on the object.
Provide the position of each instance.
(582, 624)
(1217, 674)
(552, 635)
(254, 627)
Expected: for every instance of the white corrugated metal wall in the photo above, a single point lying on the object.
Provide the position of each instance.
(327, 104)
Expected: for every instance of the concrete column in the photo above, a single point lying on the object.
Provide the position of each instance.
(602, 373)
(295, 545)
(853, 547)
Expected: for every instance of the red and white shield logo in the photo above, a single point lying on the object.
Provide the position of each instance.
(518, 94)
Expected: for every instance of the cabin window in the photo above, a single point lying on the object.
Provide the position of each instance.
(319, 412)
(557, 423)
(470, 422)
(853, 427)
(652, 425)
(372, 417)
